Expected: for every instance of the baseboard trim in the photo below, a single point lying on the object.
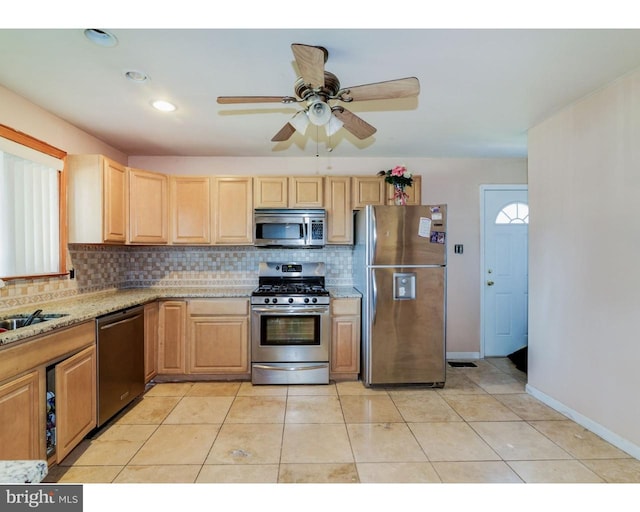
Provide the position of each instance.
(463, 355)
(606, 434)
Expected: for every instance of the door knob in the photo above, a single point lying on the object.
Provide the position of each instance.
(490, 283)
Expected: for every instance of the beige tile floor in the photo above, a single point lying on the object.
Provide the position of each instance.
(481, 427)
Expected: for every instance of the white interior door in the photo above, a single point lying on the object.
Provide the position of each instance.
(505, 269)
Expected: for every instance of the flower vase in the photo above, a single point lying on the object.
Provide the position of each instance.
(399, 195)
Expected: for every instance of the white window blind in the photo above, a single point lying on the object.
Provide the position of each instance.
(29, 211)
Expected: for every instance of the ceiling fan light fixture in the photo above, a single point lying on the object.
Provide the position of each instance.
(300, 122)
(319, 112)
(333, 125)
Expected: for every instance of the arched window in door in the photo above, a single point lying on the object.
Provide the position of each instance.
(513, 213)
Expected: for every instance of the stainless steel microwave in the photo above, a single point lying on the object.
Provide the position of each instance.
(288, 227)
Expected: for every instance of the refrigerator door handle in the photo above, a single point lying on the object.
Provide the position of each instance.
(374, 297)
(374, 232)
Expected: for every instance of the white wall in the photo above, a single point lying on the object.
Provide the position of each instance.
(584, 240)
(22, 115)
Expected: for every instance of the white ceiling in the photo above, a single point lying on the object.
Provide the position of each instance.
(481, 89)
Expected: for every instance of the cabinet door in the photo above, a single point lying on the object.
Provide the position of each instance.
(21, 430)
(345, 338)
(306, 192)
(345, 345)
(339, 212)
(368, 190)
(270, 192)
(232, 210)
(114, 213)
(148, 207)
(76, 410)
(151, 319)
(219, 344)
(190, 210)
(172, 336)
(413, 192)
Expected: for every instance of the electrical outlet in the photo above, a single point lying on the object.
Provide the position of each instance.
(72, 273)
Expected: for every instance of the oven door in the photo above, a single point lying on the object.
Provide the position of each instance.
(290, 334)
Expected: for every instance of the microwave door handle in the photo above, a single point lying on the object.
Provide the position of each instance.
(305, 232)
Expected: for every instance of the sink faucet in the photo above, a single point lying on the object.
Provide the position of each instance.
(32, 317)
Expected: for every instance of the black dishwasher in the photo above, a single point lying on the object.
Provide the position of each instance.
(120, 341)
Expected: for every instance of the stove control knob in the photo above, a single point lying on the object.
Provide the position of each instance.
(290, 300)
(266, 301)
(306, 300)
(314, 300)
(274, 300)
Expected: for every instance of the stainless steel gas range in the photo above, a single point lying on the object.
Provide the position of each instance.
(290, 325)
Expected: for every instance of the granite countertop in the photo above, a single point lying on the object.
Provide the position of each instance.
(22, 471)
(85, 307)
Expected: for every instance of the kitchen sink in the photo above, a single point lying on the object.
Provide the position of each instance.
(17, 321)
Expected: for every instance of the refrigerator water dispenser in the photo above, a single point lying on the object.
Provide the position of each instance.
(404, 286)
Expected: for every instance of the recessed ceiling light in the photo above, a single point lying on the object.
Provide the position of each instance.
(101, 37)
(163, 105)
(136, 76)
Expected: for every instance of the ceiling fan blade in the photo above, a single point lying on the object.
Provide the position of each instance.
(284, 134)
(228, 100)
(354, 124)
(392, 89)
(310, 61)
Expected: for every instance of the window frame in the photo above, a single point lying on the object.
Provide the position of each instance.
(43, 147)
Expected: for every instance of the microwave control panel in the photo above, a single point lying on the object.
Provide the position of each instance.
(317, 230)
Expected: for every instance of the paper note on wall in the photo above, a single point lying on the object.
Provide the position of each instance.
(424, 228)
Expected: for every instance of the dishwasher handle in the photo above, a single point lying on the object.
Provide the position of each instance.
(118, 317)
(109, 325)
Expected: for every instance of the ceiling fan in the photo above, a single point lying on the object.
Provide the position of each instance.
(319, 90)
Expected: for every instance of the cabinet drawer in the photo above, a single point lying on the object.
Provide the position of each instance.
(45, 348)
(345, 307)
(219, 307)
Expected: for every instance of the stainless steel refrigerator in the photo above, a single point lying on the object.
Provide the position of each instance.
(400, 269)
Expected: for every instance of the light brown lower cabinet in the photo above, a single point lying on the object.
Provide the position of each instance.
(208, 338)
(76, 409)
(219, 336)
(21, 427)
(63, 362)
(345, 339)
(172, 328)
(151, 323)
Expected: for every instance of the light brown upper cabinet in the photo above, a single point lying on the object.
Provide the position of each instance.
(190, 205)
(368, 190)
(288, 192)
(232, 210)
(306, 192)
(97, 200)
(339, 211)
(413, 192)
(148, 207)
(270, 192)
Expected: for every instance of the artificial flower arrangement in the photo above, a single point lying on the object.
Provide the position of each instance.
(400, 178)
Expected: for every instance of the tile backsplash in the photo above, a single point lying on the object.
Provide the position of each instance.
(101, 267)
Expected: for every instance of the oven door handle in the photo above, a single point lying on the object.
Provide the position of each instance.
(289, 368)
(278, 310)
